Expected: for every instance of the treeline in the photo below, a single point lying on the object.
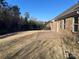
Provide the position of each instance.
(12, 21)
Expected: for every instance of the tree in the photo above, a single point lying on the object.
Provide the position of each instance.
(12, 21)
(26, 15)
(15, 17)
(3, 3)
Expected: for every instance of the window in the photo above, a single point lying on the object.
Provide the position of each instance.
(76, 28)
(60, 24)
(63, 24)
(76, 20)
(75, 24)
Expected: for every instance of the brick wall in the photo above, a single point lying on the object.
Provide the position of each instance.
(54, 27)
(69, 25)
(51, 25)
(78, 24)
(58, 25)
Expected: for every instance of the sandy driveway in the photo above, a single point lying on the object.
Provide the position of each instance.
(33, 45)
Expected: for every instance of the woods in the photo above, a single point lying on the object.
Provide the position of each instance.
(12, 21)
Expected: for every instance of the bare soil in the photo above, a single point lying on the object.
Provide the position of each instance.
(35, 45)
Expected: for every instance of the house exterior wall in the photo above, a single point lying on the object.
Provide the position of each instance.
(58, 26)
(51, 25)
(69, 24)
(78, 24)
(54, 27)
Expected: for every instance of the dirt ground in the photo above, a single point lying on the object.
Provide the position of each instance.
(34, 45)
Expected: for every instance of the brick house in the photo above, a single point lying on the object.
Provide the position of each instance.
(68, 21)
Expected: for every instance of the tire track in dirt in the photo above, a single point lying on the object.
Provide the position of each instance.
(41, 45)
(10, 48)
(40, 52)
